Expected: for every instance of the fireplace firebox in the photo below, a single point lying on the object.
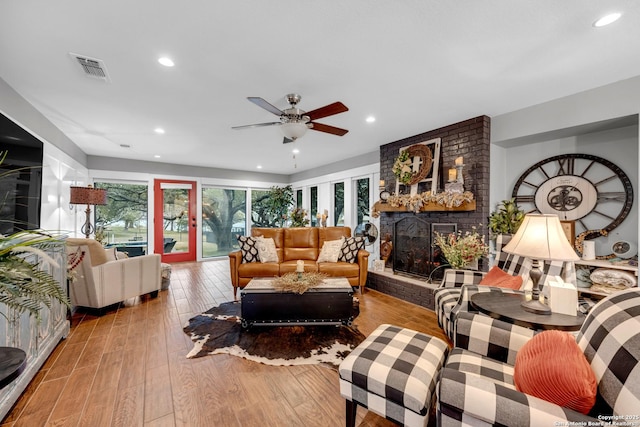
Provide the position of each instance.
(413, 250)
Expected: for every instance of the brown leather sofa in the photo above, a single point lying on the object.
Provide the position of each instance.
(299, 243)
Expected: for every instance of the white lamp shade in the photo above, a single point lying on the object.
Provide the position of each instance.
(541, 237)
(294, 130)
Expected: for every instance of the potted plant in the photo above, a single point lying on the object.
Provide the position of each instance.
(506, 219)
(299, 218)
(278, 202)
(23, 286)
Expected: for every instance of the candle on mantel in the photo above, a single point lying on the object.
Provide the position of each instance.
(452, 174)
(300, 266)
(382, 183)
(459, 161)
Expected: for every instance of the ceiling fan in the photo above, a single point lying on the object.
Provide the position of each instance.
(294, 122)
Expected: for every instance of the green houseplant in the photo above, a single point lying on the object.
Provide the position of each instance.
(23, 286)
(506, 219)
(278, 202)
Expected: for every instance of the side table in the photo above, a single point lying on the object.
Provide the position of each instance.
(12, 363)
(505, 306)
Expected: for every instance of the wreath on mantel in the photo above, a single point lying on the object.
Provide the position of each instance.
(402, 167)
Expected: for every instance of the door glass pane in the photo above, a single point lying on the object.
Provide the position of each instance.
(338, 203)
(223, 220)
(175, 216)
(122, 222)
(362, 208)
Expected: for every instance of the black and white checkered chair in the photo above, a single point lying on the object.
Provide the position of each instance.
(393, 373)
(476, 384)
(457, 286)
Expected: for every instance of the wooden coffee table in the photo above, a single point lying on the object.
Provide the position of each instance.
(329, 303)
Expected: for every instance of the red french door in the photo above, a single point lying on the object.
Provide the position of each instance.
(175, 224)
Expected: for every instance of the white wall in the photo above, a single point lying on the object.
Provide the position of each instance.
(572, 124)
(59, 173)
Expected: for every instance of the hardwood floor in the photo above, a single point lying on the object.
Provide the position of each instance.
(128, 367)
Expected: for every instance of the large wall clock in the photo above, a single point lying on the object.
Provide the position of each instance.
(587, 189)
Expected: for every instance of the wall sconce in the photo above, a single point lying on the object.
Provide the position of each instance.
(88, 196)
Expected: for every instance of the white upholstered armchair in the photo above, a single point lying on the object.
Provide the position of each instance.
(100, 279)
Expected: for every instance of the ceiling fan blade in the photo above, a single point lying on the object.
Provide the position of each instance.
(327, 110)
(264, 104)
(328, 129)
(287, 140)
(257, 125)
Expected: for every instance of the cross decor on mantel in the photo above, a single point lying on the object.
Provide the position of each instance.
(419, 163)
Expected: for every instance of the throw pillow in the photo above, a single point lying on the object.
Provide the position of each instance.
(350, 248)
(498, 278)
(248, 249)
(267, 250)
(552, 367)
(330, 251)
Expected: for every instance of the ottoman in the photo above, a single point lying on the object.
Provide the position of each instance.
(393, 373)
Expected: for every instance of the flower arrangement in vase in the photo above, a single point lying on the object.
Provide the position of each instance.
(462, 249)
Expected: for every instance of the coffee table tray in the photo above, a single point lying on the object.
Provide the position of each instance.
(330, 303)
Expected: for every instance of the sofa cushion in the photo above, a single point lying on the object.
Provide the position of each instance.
(96, 251)
(339, 269)
(552, 367)
(266, 249)
(350, 248)
(332, 233)
(258, 269)
(301, 243)
(500, 279)
(249, 249)
(330, 250)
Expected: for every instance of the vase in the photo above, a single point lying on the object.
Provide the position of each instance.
(473, 265)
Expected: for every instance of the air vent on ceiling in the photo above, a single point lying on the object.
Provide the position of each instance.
(92, 67)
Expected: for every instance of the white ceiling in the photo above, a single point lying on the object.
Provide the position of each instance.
(415, 65)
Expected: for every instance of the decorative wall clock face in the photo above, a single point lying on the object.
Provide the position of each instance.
(587, 189)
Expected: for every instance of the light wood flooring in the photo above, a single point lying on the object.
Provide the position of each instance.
(128, 367)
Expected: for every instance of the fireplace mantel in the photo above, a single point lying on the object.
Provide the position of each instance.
(427, 207)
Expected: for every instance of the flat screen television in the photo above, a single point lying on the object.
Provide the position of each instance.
(20, 178)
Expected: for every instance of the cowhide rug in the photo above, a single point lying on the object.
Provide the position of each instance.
(218, 330)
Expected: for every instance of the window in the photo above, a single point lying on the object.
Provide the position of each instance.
(299, 199)
(362, 201)
(123, 220)
(338, 203)
(223, 220)
(314, 207)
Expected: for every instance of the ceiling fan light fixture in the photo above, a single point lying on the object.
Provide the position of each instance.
(294, 130)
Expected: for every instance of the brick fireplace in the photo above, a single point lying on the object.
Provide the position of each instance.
(470, 139)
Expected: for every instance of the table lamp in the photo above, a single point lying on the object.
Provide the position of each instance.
(88, 196)
(540, 237)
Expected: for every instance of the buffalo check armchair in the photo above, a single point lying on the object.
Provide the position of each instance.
(457, 286)
(476, 384)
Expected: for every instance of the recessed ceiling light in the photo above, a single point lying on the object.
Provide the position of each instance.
(157, 156)
(295, 151)
(370, 119)
(167, 62)
(159, 131)
(607, 19)
(259, 167)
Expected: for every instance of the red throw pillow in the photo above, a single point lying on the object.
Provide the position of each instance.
(552, 367)
(498, 278)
